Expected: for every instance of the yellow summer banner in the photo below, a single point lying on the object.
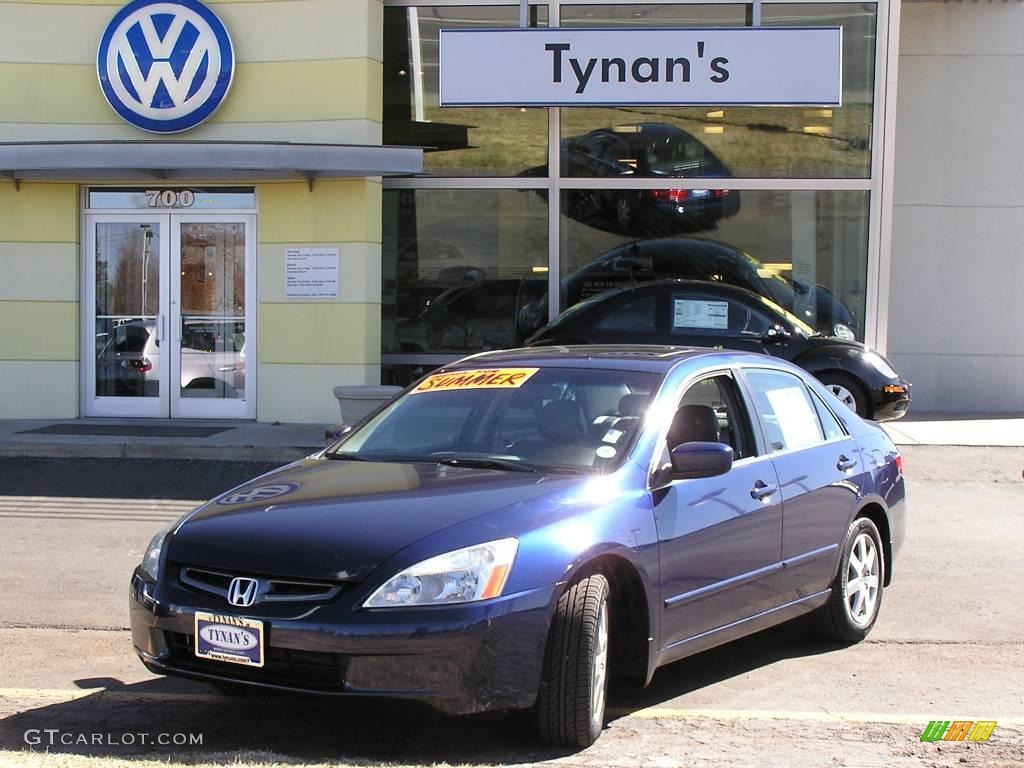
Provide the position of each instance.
(493, 378)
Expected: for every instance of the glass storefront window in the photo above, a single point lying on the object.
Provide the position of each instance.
(458, 141)
(466, 270)
(459, 267)
(806, 251)
(741, 142)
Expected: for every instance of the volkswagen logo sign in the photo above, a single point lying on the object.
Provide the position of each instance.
(165, 67)
(258, 494)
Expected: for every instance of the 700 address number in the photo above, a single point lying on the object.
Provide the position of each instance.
(170, 198)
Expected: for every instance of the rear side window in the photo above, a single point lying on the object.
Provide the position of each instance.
(785, 409)
(829, 423)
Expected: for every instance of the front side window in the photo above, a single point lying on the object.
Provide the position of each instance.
(712, 411)
(785, 410)
(559, 419)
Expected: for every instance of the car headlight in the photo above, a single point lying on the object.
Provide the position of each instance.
(463, 576)
(151, 560)
(843, 331)
(879, 363)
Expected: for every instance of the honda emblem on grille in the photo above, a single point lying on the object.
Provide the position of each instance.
(242, 592)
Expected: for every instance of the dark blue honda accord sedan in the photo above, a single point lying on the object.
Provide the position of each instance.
(520, 526)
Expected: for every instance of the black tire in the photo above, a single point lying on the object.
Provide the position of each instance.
(570, 706)
(861, 404)
(835, 619)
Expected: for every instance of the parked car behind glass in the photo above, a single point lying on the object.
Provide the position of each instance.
(697, 259)
(648, 150)
(212, 359)
(701, 313)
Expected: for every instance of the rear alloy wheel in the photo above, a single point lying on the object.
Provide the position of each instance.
(574, 683)
(856, 596)
(847, 392)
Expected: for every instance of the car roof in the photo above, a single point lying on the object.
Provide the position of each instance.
(654, 358)
(706, 286)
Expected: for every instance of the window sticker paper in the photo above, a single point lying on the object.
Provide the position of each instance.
(693, 313)
(796, 417)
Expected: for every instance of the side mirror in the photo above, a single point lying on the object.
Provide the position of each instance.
(696, 459)
(775, 335)
(333, 434)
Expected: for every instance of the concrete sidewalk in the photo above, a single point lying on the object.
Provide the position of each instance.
(978, 429)
(159, 438)
(251, 441)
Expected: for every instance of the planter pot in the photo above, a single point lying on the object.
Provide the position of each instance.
(356, 402)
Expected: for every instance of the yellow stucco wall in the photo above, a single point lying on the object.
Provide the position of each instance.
(307, 71)
(308, 346)
(39, 307)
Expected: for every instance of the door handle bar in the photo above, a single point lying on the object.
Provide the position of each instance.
(844, 463)
(761, 490)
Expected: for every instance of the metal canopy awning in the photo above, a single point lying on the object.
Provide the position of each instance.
(200, 161)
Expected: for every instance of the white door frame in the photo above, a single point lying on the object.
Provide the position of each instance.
(142, 407)
(213, 407)
(169, 403)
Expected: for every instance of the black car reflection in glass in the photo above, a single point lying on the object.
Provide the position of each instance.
(693, 313)
(697, 259)
(648, 150)
(476, 315)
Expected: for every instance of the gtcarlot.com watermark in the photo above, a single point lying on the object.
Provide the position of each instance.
(55, 737)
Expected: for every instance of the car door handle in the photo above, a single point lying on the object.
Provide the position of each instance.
(844, 463)
(761, 490)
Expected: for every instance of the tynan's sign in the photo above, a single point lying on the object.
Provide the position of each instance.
(165, 66)
(579, 67)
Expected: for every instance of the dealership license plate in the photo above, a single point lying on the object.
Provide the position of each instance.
(229, 638)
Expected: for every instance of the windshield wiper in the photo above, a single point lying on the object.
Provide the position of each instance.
(340, 456)
(486, 463)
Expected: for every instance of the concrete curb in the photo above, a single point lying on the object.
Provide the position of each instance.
(283, 454)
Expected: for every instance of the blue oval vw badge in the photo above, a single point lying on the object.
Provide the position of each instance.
(165, 66)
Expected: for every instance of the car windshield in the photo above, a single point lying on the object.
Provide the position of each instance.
(800, 326)
(545, 419)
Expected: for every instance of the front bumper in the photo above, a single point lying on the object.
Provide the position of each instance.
(891, 402)
(457, 659)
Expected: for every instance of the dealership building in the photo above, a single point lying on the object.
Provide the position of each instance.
(224, 210)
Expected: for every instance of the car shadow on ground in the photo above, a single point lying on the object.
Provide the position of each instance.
(125, 721)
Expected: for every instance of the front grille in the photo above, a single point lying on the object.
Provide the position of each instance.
(311, 670)
(270, 589)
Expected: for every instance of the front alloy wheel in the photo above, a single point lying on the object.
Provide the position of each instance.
(574, 683)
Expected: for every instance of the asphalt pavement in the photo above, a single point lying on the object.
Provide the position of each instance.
(949, 645)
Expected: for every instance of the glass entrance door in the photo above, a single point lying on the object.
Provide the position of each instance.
(210, 295)
(170, 297)
(128, 296)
